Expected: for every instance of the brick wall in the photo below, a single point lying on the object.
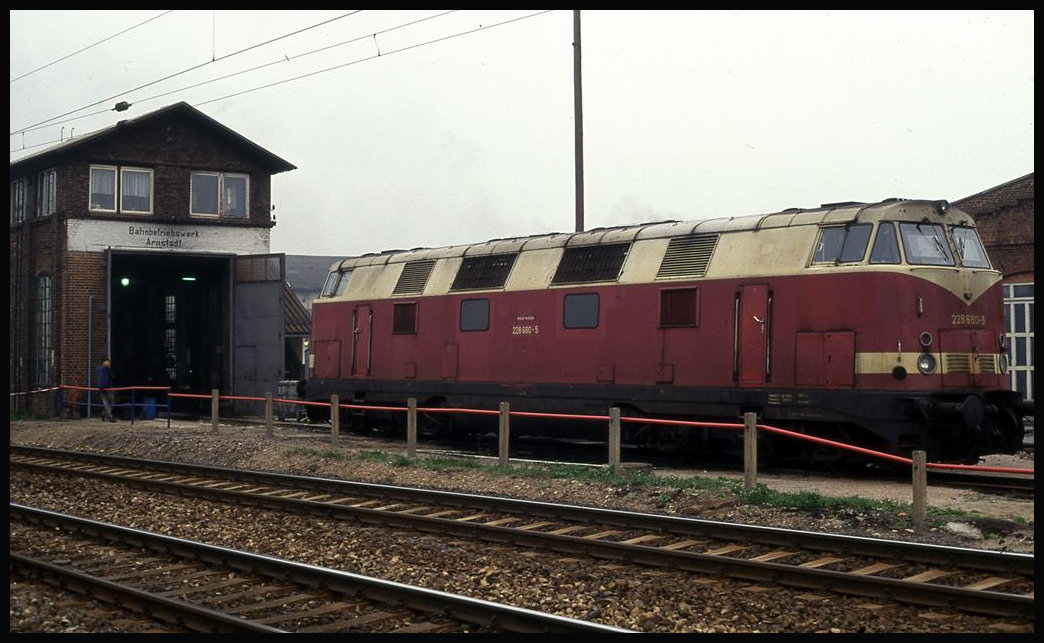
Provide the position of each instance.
(1004, 216)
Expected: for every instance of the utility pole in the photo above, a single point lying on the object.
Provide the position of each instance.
(578, 114)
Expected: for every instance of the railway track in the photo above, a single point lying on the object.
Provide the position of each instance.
(976, 581)
(594, 453)
(205, 588)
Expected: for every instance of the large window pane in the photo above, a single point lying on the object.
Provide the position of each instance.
(204, 193)
(925, 244)
(136, 190)
(234, 197)
(103, 188)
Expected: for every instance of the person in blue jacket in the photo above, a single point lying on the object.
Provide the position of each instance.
(105, 382)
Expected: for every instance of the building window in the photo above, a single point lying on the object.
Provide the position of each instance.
(679, 307)
(18, 188)
(47, 197)
(103, 189)
(136, 190)
(1018, 308)
(134, 186)
(44, 327)
(404, 319)
(580, 311)
(474, 314)
(220, 195)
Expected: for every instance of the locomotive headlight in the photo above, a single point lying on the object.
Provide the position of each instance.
(926, 363)
(926, 339)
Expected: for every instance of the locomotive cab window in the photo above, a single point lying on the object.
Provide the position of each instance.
(336, 283)
(679, 307)
(969, 247)
(580, 311)
(474, 314)
(886, 245)
(404, 319)
(925, 244)
(842, 244)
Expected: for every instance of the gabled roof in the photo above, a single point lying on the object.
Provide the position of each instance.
(274, 164)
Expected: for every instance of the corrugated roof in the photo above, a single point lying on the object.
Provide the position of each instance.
(296, 320)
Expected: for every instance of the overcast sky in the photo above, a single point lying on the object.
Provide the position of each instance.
(418, 129)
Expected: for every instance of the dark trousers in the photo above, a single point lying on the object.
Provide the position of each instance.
(107, 399)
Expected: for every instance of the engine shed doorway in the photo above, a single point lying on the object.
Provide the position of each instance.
(170, 320)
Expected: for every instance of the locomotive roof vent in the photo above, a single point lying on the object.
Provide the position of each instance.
(581, 264)
(487, 271)
(688, 256)
(414, 277)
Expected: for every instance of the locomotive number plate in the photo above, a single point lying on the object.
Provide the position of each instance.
(525, 330)
(962, 319)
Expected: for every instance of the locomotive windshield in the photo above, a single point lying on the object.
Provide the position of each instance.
(969, 247)
(925, 244)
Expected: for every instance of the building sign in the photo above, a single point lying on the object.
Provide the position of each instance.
(86, 235)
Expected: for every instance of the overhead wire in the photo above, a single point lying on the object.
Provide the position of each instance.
(80, 51)
(308, 75)
(183, 71)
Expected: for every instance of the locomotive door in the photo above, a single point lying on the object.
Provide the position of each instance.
(362, 341)
(753, 328)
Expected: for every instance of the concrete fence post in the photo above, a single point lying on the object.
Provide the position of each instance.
(504, 432)
(268, 414)
(750, 451)
(214, 395)
(411, 428)
(920, 486)
(614, 439)
(335, 418)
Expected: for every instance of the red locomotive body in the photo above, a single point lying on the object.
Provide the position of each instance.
(878, 324)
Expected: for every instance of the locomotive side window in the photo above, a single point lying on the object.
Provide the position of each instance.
(580, 311)
(969, 247)
(404, 319)
(474, 314)
(679, 307)
(886, 246)
(925, 244)
(842, 244)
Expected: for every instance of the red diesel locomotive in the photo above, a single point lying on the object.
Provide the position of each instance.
(880, 325)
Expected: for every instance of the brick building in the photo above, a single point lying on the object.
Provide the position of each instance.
(146, 242)
(1004, 216)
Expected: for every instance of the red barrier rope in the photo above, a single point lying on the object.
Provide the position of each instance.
(603, 418)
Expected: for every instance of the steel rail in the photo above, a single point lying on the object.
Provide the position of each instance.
(187, 615)
(472, 610)
(865, 584)
(1022, 564)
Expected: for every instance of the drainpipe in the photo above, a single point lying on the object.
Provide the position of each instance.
(90, 317)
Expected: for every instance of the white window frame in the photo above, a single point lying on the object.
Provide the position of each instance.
(1021, 328)
(115, 188)
(19, 190)
(221, 202)
(47, 193)
(152, 184)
